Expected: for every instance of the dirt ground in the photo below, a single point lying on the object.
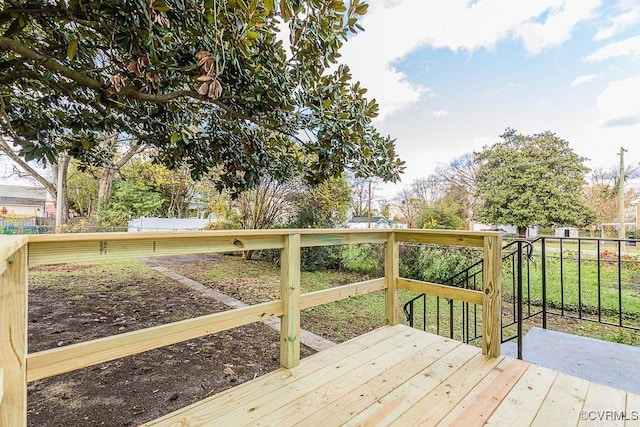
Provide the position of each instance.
(142, 387)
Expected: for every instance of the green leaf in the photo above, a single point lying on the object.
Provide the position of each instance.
(252, 35)
(269, 5)
(286, 10)
(16, 26)
(72, 49)
(174, 137)
(160, 6)
(326, 103)
(362, 9)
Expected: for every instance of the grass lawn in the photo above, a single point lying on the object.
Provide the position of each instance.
(570, 283)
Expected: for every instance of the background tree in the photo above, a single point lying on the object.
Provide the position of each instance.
(440, 217)
(121, 154)
(206, 83)
(459, 178)
(423, 193)
(175, 186)
(601, 193)
(269, 204)
(409, 206)
(363, 195)
(82, 189)
(531, 180)
(130, 200)
(428, 191)
(323, 205)
(57, 164)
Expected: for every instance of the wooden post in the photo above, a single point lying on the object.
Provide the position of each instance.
(392, 272)
(491, 304)
(13, 340)
(290, 292)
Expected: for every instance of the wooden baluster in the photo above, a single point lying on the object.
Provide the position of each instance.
(392, 272)
(491, 304)
(290, 292)
(13, 340)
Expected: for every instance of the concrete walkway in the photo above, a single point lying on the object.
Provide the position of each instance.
(604, 362)
(307, 338)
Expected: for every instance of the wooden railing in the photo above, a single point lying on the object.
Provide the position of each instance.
(18, 367)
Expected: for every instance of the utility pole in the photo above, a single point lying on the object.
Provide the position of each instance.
(621, 229)
(369, 206)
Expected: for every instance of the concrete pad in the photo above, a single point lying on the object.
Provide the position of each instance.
(613, 364)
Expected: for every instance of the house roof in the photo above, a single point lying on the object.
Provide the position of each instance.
(366, 219)
(22, 195)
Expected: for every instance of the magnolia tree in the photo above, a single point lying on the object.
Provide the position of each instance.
(240, 88)
(531, 180)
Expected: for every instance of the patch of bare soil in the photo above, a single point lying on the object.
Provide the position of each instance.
(87, 304)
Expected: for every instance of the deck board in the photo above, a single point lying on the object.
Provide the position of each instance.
(396, 375)
(478, 405)
(393, 405)
(526, 397)
(633, 410)
(601, 404)
(343, 409)
(564, 401)
(433, 407)
(324, 385)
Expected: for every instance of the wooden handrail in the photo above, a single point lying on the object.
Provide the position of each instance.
(17, 367)
(56, 361)
(438, 290)
(8, 247)
(1, 383)
(47, 363)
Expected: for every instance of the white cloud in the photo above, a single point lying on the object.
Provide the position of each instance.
(440, 113)
(396, 28)
(626, 47)
(583, 79)
(557, 28)
(619, 23)
(618, 104)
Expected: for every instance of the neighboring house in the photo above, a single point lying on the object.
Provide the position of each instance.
(376, 222)
(567, 232)
(532, 230)
(17, 201)
(167, 224)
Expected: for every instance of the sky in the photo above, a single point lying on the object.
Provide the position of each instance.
(451, 75)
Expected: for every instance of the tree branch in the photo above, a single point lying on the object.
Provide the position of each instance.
(5, 148)
(47, 11)
(133, 150)
(91, 83)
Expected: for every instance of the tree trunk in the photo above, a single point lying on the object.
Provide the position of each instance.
(106, 183)
(60, 171)
(522, 231)
(5, 148)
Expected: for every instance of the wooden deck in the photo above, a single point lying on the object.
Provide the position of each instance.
(402, 376)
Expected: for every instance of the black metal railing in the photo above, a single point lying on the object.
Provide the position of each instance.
(468, 316)
(579, 278)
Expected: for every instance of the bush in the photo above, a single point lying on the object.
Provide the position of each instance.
(366, 258)
(222, 225)
(435, 264)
